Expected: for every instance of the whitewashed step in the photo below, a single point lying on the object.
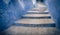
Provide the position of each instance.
(41, 9)
(39, 4)
(33, 11)
(35, 21)
(36, 15)
(19, 30)
(38, 12)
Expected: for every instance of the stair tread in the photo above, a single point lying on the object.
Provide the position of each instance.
(38, 9)
(35, 21)
(19, 30)
(38, 12)
(36, 15)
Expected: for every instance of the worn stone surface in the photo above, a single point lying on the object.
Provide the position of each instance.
(35, 21)
(19, 30)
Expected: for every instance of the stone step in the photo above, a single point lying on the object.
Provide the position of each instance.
(35, 21)
(37, 9)
(36, 25)
(47, 17)
(37, 12)
(19, 30)
(37, 15)
(39, 4)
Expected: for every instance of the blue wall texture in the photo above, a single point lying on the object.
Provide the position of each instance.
(54, 7)
(12, 10)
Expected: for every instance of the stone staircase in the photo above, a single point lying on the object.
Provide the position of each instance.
(37, 21)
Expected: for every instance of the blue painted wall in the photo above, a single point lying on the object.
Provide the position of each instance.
(11, 11)
(54, 7)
